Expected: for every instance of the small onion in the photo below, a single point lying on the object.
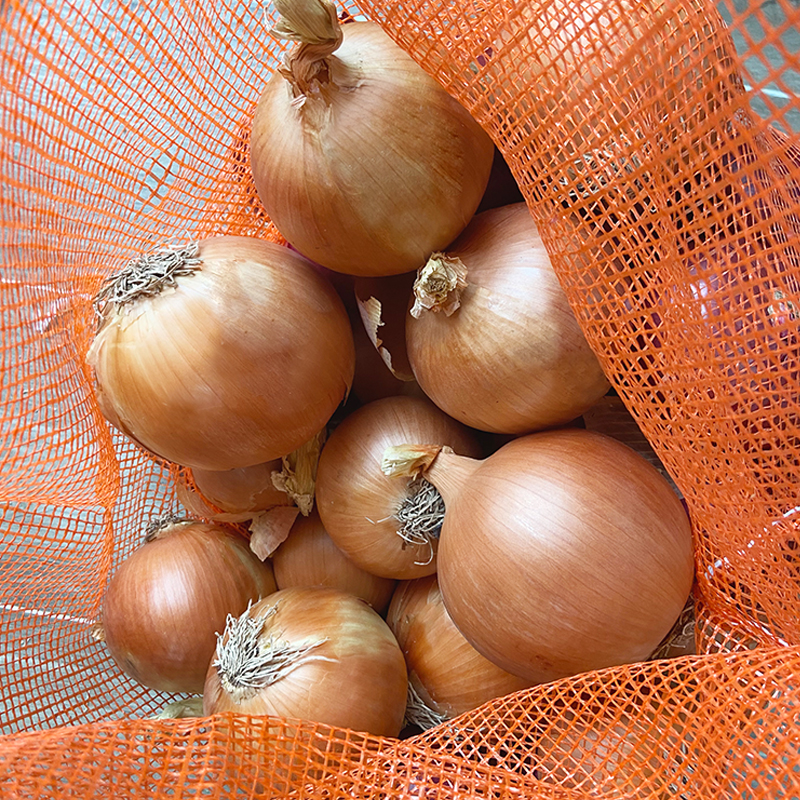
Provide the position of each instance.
(447, 675)
(563, 552)
(223, 354)
(309, 557)
(385, 525)
(243, 489)
(172, 595)
(362, 160)
(313, 654)
(500, 349)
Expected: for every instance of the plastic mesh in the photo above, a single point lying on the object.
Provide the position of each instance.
(656, 144)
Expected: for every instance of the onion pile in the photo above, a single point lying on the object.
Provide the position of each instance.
(172, 595)
(527, 548)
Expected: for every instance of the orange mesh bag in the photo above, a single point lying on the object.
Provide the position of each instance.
(655, 143)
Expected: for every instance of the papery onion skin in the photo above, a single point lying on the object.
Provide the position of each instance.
(239, 363)
(309, 557)
(356, 501)
(512, 358)
(446, 670)
(561, 553)
(373, 171)
(171, 596)
(358, 680)
(242, 489)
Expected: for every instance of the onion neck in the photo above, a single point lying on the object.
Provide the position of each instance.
(313, 24)
(438, 464)
(439, 285)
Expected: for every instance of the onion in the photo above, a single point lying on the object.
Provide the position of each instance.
(313, 654)
(362, 160)
(499, 348)
(223, 354)
(563, 552)
(172, 595)
(447, 675)
(309, 557)
(387, 526)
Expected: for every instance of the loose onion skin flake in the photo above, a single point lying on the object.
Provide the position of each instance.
(314, 654)
(362, 160)
(500, 348)
(387, 526)
(309, 557)
(172, 595)
(447, 675)
(563, 552)
(223, 354)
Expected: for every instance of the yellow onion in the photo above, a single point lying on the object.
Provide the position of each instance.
(387, 526)
(313, 654)
(172, 595)
(447, 676)
(492, 339)
(362, 160)
(563, 552)
(309, 557)
(223, 354)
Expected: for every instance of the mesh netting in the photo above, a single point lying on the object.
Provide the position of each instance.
(656, 144)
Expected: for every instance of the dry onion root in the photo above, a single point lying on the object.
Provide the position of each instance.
(314, 654)
(572, 538)
(172, 595)
(362, 160)
(387, 526)
(222, 354)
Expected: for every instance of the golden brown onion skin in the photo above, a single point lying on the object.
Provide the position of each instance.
(242, 362)
(171, 596)
(563, 552)
(356, 501)
(309, 557)
(374, 171)
(512, 358)
(359, 683)
(242, 489)
(448, 673)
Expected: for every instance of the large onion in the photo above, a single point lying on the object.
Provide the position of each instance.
(171, 596)
(500, 349)
(314, 654)
(381, 523)
(447, 675)
(562, 552)
(309, 557)
(361, 159)
(221, 355)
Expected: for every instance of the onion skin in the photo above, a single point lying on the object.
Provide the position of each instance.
(512, 358)
(356, 500)
(570, 538)
(171, 596)
(376, 169)
(360, 684)
(309, 557)
(241, 363)
(445, 669)
(242, 489)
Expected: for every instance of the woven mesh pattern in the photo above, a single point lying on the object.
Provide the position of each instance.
(655, 143)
